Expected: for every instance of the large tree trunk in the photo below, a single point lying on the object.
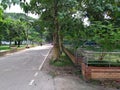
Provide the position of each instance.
(19, 42)
(56, 42)
(56, 48)
(15, 42)
(60, 41)
(56, 54)
(10, 43)
(0, 42)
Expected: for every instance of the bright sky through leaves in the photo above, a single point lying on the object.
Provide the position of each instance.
(17, 9)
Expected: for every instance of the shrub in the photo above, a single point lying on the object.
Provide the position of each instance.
(103, 63)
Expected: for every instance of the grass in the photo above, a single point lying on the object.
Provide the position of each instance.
(5, 47)
(108, 59)
(103, 63)
(95, 82)
(93, 48)
(63, 61)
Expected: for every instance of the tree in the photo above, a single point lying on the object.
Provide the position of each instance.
(1, 25)
(53, 14)
(104, 17)
(12, 30)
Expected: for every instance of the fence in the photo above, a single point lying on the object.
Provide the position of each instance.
(108, 59)
(100, 65)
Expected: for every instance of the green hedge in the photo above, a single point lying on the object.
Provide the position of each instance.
(103, 63)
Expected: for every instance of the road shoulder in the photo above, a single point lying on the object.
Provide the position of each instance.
(65, 78)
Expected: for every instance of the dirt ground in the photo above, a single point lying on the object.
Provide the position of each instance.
(69, 78)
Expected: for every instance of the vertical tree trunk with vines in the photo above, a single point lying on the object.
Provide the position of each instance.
(56, 54)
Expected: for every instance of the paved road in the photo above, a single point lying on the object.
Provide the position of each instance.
(21, 70)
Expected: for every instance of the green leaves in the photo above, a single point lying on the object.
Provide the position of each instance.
(105, 35)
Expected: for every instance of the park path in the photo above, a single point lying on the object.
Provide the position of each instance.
(22, 71)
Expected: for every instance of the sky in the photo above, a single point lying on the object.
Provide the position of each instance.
(17, 9)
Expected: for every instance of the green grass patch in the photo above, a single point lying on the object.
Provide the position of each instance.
(108, 59)
(4, 48)
(92, 48)
(63, 61)
(94, 82)
(103, 63)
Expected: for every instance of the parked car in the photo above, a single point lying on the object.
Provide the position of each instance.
(90, 43)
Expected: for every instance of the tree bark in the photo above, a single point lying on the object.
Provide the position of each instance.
(19, 42)
(56, 54)
(10, 43)
(15, 42)
(60, 41)
(0, 42)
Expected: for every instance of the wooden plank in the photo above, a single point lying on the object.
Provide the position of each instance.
(72, 57)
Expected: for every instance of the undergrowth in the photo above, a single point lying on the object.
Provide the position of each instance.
(63, 61)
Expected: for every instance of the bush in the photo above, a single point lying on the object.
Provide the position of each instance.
(103, 63)
(63, 61)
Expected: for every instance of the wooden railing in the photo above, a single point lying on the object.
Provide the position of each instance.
(71, 56)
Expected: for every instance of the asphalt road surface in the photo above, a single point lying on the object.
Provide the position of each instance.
(22, 70)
